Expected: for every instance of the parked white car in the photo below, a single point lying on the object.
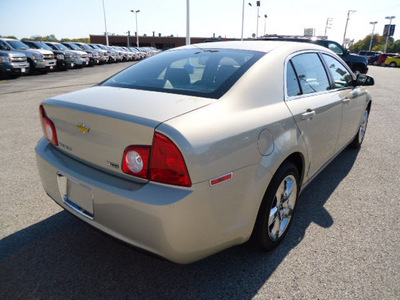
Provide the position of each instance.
(199, 148)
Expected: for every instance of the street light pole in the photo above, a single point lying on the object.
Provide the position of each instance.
(242, 21)
(258, 15)
(328, 25)
(137, 32)
(187, 23)
(105, 22)
(265, 25)
(388, 34)
(372, 35)
(349, 12)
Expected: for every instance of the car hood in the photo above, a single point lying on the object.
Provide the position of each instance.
(155, 106)
(43, 51)
(358, 58)
(15, 54)
(78, 51)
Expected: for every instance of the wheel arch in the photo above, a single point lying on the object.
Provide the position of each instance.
(299, 161)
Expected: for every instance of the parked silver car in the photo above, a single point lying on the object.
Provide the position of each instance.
(201, 147)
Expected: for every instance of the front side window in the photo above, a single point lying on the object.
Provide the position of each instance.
(4, 46)
(311, 73)
(198, 72)
(341, 77)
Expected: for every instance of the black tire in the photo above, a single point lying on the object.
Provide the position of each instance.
(32, 69)
(393, 64)
(270, 216)
(359, 138)
(14, 76)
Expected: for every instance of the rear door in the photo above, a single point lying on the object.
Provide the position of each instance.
(316, 110)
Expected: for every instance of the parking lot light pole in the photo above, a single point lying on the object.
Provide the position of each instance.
(137, 32)
(105, 22)
(372, 35)
(328, 25)
(349, 12)
(258, 3)
(265, 24)
(258, 16)
(388, 34)
(187, 23)
(242, 21)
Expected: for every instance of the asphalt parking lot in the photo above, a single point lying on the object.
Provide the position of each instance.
(344, 242)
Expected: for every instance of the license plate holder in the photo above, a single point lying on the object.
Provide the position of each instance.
(76, 195)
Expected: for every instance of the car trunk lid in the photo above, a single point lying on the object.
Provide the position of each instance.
(97, 124)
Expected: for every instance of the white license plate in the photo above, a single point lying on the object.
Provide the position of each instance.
(77, 196)
(23, 70)
(51, 67)
(72, 64)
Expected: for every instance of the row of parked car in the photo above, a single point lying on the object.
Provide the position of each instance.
(25, 56)
(378, 58)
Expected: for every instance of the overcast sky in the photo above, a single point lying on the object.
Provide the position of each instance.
(80, 18)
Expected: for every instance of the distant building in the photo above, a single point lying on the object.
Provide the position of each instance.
(159, 42)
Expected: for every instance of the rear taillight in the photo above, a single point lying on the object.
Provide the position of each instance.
(163, 162)
(167, 163)
(48, 127)
(136, 161)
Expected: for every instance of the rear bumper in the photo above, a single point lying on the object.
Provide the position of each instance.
(180, 224)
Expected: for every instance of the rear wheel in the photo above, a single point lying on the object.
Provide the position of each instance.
(359, 138)
(278, 207)
(393, 64)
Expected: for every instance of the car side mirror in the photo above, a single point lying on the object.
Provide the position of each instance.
(363, 79)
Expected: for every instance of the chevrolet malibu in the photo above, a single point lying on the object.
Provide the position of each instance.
(201, 147)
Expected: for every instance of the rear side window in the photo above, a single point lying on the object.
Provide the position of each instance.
(310, 73)
(293, 87)
(341, 77)
(198, 72)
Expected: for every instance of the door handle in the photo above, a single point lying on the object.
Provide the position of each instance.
(308, 115)
(345, 101)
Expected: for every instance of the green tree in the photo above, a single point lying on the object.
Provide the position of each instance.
(378, 44)
(36, 38)
(51, 38)
(80, 40)
(10, 37)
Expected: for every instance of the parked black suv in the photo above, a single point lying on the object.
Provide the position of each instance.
(357, 63)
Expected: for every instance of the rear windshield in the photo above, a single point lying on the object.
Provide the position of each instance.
(197, 72)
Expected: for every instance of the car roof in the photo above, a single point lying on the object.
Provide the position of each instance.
(262, 46)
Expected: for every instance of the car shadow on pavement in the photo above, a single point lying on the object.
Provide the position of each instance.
(62, 258)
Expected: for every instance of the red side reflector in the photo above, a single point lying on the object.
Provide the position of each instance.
(220, 179)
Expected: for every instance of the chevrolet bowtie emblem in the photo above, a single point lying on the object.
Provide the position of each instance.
(82, 127)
